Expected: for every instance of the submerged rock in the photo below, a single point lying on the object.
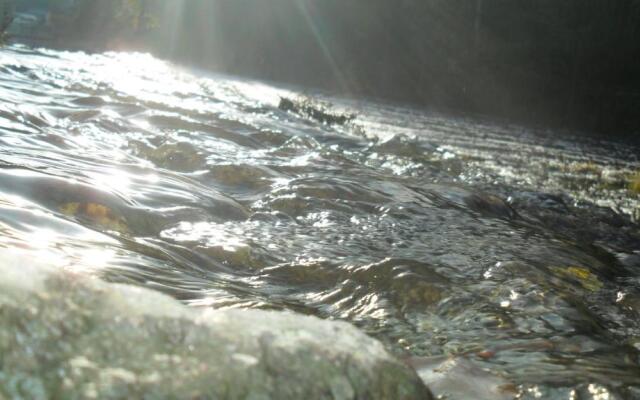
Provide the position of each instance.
(461, 378)
(181, 156)
(314, 110)
(67, 336)
(634, 183)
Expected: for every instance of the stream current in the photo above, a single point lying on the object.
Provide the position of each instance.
(516, 250)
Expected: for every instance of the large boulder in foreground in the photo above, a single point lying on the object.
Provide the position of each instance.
(63, 335)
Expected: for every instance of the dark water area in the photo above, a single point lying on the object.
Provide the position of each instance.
(517, 251)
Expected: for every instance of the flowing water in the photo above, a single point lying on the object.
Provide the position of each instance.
(515, 251)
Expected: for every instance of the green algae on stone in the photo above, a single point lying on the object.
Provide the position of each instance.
(582, 275)
(181, 157)
(585, 167)
(97, 214)
(634, 183)
(236, 175)
(237, 255)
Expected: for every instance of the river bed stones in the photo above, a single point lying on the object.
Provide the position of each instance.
(65, 335)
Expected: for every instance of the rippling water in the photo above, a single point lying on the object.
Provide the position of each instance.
(514, 250)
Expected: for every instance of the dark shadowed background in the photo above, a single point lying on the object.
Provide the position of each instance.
(563, 64)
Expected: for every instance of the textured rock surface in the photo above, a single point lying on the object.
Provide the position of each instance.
(462, 378)
(67, 336)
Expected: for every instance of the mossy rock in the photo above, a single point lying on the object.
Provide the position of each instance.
(181, 157)
(583, 276)
(634, 183)
(96, 214)
(234, 175)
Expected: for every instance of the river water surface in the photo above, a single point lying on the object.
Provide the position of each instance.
(516, 251)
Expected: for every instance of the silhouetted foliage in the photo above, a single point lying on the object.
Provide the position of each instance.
(93, 23)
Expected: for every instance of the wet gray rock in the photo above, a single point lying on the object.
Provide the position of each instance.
(64, 335)
(461, 378)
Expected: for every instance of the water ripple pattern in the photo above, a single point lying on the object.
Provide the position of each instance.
(517, 250)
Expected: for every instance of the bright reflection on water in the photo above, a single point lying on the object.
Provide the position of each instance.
(437, 236)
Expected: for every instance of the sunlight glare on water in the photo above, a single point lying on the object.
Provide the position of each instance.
(510, 250)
